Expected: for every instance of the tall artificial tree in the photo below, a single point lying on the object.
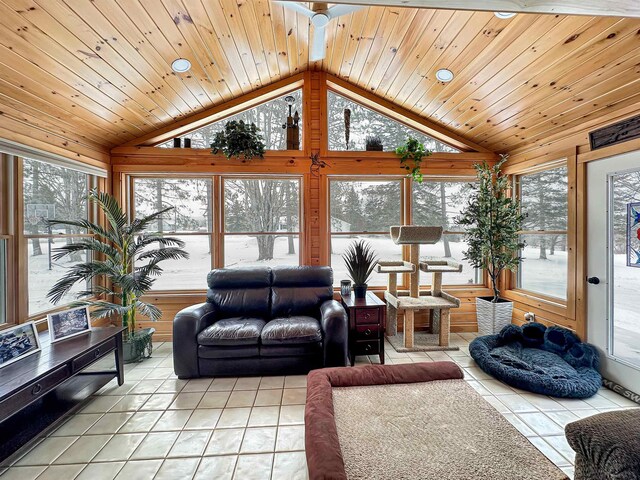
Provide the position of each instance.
(492, 221)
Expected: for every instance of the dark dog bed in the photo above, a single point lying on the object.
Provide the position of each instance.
(549, 361)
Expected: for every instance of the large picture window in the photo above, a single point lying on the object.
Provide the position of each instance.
(364, 209)
(261, 221)
(190, 220)
(544, 202)
(438, 203)
(350, 123)
(4, 267)
(51, 192)
(269, 117)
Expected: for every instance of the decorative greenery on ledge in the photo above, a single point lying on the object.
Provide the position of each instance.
(239, 140)
(411, 155)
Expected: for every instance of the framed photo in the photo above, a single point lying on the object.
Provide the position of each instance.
(18, 342)
(69, 323)
(633, 234)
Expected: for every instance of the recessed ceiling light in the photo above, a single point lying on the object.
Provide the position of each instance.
(504, 15)
(181, 65)
(444, 75)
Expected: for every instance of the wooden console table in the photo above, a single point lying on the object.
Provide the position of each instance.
(367, 319)
(41, 388)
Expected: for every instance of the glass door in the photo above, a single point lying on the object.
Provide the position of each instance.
(613, 244)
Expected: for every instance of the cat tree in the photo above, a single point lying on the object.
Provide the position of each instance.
(438, 302)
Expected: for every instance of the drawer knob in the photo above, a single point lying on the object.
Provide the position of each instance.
(37, 388)
(367, 332)
(367, 348)
(97, 353)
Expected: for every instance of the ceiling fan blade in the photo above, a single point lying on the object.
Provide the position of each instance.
(338, 10)
(317, 44)
(298, 8)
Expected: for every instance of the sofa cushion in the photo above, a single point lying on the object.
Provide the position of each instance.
(291, 350)
(300, 290)
(291, 330)
(228, 353)
(240, 292)
(232, 332)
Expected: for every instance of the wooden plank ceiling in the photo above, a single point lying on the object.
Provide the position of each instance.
(98, 71)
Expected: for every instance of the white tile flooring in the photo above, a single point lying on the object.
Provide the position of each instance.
(158, 427)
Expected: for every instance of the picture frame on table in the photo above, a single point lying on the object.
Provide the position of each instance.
(18, 342)
(69, 323)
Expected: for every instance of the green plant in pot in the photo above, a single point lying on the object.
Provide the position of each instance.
(411, 156)
(125, 264)
(360, 261)
(492, 221)
(239, 140)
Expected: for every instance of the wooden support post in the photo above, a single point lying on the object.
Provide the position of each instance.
(392, 313)
(445, 316)
(414, 282)
(408, 328)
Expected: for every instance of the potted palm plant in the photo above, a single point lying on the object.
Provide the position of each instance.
(360, 261)
(492, 221)
(125, 264)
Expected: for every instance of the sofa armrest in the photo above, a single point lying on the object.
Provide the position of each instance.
(607, 444)
(187, 324)
(336, 334)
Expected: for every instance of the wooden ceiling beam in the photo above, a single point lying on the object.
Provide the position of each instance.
(603, 8)
(219, 112)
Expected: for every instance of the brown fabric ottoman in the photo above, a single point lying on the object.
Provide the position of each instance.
(324, 457)
(607, 446)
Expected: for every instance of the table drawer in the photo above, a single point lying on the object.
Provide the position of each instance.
(367, 332)
(93, 355)
(367, 315)
(33, 391)
(365, 347)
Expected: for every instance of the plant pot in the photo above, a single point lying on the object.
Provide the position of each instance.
(360, 291)
(370, 148)
(492, 317)
(138, 346)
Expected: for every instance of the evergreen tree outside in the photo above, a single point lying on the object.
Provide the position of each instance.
(365, 122)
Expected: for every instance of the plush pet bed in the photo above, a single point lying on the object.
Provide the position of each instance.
(549, 361)
(390, 422)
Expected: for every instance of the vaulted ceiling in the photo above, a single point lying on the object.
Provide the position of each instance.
(98, 71)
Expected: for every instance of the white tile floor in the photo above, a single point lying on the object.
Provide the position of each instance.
(158, 427)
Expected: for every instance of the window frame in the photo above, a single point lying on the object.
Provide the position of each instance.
(216, 236)
(451, 179)
(406, 214)
(348, 153)
(301, 227)
(512, 279)
(93, 181)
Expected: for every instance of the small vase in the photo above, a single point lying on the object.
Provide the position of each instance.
(360, 291)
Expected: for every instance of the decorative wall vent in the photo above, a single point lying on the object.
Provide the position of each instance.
(623, 131)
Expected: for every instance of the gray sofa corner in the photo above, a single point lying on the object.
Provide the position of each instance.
(607, 445)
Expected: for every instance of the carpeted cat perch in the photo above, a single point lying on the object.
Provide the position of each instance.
(549, 361)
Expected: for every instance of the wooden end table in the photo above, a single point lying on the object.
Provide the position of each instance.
(367, 321)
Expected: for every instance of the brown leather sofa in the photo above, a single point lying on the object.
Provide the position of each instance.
(262, 321)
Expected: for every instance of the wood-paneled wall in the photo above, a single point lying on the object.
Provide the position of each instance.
(574, 146)
(132, 160)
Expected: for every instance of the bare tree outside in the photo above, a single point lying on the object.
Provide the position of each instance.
(269, 117)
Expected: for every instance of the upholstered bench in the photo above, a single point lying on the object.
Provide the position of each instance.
(607, 446)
